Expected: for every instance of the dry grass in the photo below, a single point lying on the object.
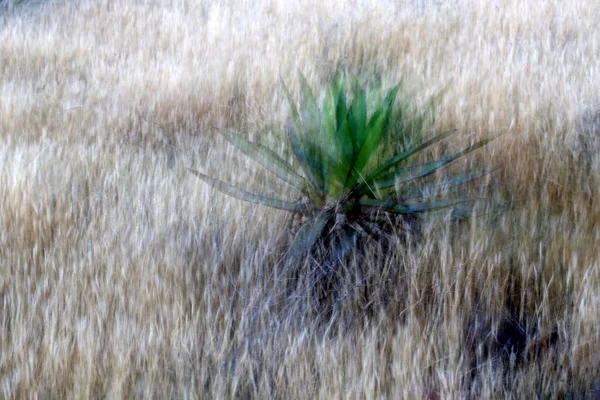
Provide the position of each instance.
(123, 276)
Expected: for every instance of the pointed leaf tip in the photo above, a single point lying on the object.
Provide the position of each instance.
(241, 194)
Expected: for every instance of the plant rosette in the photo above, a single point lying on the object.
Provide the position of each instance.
(345, 183)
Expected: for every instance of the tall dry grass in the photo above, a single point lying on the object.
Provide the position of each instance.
(123, 276)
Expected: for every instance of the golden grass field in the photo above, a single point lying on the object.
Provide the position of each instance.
(124, 276)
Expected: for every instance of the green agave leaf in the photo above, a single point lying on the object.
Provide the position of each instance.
(345, 137)
(345, 141)
(341, 110)
(332, 171)
(385, 108)
(309, 107)
(267, 158)
(356, 132)
(457, 179)
(329, 125)
(309, 157)
(241, 194)
(357, 117)
(410, 124)
(375, 130)
(336, 139)
(309, 161)
(294, 116)
(414, 208)
(308, 234)
(366, 190)
(323, 149)
(406, 154)
(408, 174)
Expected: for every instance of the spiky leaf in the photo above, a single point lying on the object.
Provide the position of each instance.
(414, 208)
(403, 175)
(375, 129)
(307, 160)
(241, 194)
(447, 182)
(308, 234)
(357, 117)
(394, 161)
(267, 158)
(309, 110)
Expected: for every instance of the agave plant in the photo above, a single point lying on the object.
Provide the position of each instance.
(345, 184)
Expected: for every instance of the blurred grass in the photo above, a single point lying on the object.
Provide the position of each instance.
(122, 276)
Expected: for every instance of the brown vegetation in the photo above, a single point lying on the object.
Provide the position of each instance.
(122, 275)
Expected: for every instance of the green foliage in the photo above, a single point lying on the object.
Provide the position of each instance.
(346, 183)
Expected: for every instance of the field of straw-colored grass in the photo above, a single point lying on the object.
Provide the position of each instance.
(122, 275)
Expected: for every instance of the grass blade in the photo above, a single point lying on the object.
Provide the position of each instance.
(464, 211)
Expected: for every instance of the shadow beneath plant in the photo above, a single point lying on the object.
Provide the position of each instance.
(349, 283)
